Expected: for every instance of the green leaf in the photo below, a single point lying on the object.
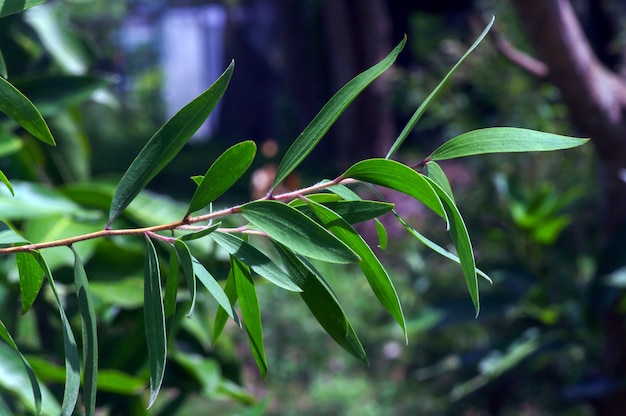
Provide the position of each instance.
(434, 172)
(10, 238)
(381, 232)
(199, 234)
(3, 67)
(223, 174)
(376, 275)
(221, 316)
(6, 182)
(8, 7)
(353, 212)
(34, 385)
(31, 279)
(171, 288)
(35, 200)
(166, 143)
(87, 312)
(422, 108)
(15, 105)
(154, 320)
(250, 312)
(322, 303)
(186, 262)
(255, 259)
(292, 228)
(10, 145)
(72, 360)
(214, 289)
(313, 133)
(395, 175)
(503, 140)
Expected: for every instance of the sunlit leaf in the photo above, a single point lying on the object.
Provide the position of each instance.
(422, 108)
(395, 175)
(186, 263)
(503, 140)
(35, 200)
(166, 143)
(375, 273)
(214, 289)
(313, 133)
(434, 172)
(322, 303)
(87, 312)
(255, 259)
(223, 174)
(15, 105)
(154, 320)
(6, 182)
(31, 278)
(300, 233)
(250, 312)
(8, 7)
(34, 384)
(221, 316)
(10, 238)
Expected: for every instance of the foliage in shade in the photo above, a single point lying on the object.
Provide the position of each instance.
(186, 262)
(9, 7)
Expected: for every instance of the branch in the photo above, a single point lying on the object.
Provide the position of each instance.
(523, 60)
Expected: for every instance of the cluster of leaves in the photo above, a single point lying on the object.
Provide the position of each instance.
(303, 226)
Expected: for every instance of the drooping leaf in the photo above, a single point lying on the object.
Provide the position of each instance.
(186, 263)
(171, 289)
(250, 311)
(381, 232)
(34, 384)
(434, 172)
(313, 133)
(223, 174)
(166, 143)
(255, 259)
(214, 289)
(221, 316)
(8, 7)
(354, 212)
(422, 108)
(15, 105)
(154, 320)
(376, 275)
(395, 175)
(199, 234)
(300, 233)
(322, 303)
(72, 360)
(6, 182)
(503, 140)
(31, 279)
(87, 312)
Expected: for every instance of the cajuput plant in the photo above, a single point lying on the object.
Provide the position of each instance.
(304, 226)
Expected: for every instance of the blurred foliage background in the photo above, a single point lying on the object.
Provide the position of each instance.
(535, 220)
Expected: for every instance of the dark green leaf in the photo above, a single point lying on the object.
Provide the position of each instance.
(186, 262)
(34, 385)
(199, 234)
(154, 320)
(300, 233)
(354, 212)
(31, 278)
(256, 260)
(503, 140)
(323, 303)
(313, 133)
(395, 175)
(15, 105)
(214, 289)
(223, 174)
(3, 67)
(250, 311)
(171, 288)
(8, 7)
(375, 273)
(422, 108)
(166, 143)
(434, 172)
(221, 316)
(87, 312)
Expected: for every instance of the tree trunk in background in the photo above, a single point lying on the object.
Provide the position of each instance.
(596, 98)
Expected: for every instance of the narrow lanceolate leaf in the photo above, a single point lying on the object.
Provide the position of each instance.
(462, 243)
(3, 67)
(171, 289)
(353, 212)
(375, 273)
(166, 143)
(251, 312)
(231, 292)
(6, 182)
(255, 259)
(31, 278)
(422, 108)
(434, 172)
(322, 303)
(186, 263)
(395, 175)
(15, 105)
(154, 320)
(199, 234)
(313, 133)
(381, 232)
(34, 384)
(214, 289)
(8, 7)
(300, 233)
(87, 312)
(223, 174)
(503, 140)
(72, 361)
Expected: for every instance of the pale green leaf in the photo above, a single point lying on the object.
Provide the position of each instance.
(166, 143)
(313, 133)
(6, 182)
(223, 174)
(381, 232)
(8, 7)
(186, 263)
(10, 145)
(422, 108)
(214, 289)
(300, 233)
(434, 172)
(503, 140)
